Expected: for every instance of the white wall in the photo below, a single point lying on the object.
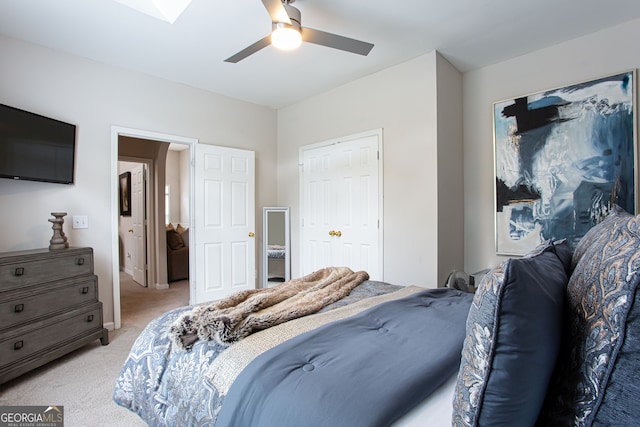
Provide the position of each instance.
(450, 182)
(402, 101)
(596, 55)
(96, 97)
(173, 176)
(185, 214)
(178, 179)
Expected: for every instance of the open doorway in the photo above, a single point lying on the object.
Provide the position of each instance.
(142, 164)
(132, 148)
(213, 274)
(132, 221)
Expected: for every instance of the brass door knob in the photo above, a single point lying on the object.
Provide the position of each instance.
(338, 233)
(332, 233)
(251, 234)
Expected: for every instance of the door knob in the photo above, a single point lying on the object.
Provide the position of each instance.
(338, 233)
(332, 233)
(131, 230)
(251, 234)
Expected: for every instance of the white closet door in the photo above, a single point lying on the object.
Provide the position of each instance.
(357, 207)
(341, 205)
(317, 209)
(139, 216)
(224, 219)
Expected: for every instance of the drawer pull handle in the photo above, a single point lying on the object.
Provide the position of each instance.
(18, 345)
(18, 308)
(19, 271)
(90, 318)
(85, 290)
(80, 261)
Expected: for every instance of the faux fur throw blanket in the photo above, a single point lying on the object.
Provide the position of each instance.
(245, 312)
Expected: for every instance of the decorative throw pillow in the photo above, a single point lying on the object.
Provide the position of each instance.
(616, 215)
(180, 229)
(174, 240)
(513, 337)
(596, 381)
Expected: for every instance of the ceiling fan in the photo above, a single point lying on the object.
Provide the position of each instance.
(286, 22)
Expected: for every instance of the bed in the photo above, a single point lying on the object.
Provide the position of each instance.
(276, 251)
(276, 264)
(167, 385)
(548, 339)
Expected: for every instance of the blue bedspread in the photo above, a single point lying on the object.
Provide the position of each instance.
(367, 370)
(167, 386)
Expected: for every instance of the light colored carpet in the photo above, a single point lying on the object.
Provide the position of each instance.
(82, 381)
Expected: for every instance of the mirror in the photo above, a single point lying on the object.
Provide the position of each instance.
(276, 247)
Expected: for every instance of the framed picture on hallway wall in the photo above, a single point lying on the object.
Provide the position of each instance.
(563, 157)
(125, 194)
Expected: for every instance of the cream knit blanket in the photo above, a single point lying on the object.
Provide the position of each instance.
(243, 313)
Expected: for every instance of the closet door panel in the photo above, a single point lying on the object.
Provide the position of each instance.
(341, 200)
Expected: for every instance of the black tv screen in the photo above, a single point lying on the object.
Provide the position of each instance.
(35, 148)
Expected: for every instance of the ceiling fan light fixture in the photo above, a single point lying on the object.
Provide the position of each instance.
(287, 33)
(285, 36)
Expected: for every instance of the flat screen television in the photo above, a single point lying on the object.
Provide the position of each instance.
(36, 148)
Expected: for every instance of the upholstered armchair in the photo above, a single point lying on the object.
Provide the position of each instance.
(177, 253)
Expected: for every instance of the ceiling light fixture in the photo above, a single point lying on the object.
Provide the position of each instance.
(285, 36)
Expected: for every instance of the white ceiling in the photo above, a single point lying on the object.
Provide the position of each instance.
(469, 33)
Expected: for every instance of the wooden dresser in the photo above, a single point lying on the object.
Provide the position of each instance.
(48, 307)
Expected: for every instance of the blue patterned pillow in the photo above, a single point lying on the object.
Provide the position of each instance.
(513, 337)
(597, 381)
(598, 231)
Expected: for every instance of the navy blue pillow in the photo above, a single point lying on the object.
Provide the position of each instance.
(513, 337)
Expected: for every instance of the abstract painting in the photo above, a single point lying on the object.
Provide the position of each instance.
(563, 157)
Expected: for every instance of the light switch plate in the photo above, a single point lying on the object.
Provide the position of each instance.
(80, 221)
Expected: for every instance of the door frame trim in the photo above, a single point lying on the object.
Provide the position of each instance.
(116, 132)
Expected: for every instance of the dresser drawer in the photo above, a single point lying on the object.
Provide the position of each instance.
(45, 267)
(43, 336)
(26, 304)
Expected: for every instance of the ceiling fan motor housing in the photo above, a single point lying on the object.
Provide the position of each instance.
(294, 16)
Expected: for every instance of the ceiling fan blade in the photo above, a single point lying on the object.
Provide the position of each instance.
(263, 42)
(335, 41)
(277, 11)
